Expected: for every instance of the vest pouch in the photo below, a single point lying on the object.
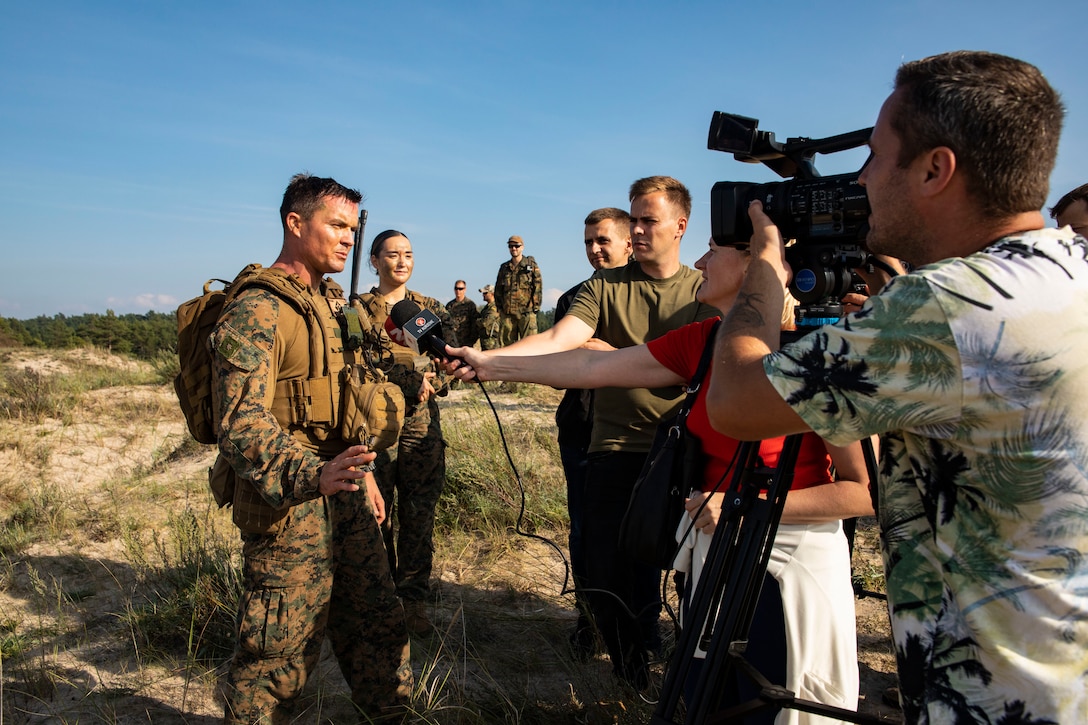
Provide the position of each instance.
(252, 514)
(372, 412)
(221, 480)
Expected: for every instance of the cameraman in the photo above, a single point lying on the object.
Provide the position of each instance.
(973, 369)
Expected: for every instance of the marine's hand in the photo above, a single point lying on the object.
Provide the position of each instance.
(376, 500)
(705, 516)
(340, 474)
(767, 241)
(426, 388)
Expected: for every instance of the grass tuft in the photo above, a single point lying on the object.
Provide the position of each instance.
(191, 582)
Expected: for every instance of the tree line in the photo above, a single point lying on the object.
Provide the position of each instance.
(142, 336)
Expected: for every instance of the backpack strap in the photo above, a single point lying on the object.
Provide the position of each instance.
(696, 382)
(298, 401)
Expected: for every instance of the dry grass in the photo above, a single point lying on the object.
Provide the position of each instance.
(117, 574)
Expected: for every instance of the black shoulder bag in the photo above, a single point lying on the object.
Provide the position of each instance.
(648, 530)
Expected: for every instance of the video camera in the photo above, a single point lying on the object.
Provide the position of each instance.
(827, 216)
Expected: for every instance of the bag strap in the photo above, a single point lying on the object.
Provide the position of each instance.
(696, 382)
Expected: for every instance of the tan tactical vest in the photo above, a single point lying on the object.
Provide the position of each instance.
(326, 394)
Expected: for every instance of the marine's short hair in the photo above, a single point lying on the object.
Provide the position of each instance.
(608, 213)
(999, 115)
(305, 193)
(1072, 197)
(675, 192)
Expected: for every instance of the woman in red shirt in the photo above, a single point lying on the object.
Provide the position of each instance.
(803, 636)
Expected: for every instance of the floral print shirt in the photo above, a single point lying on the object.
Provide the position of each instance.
(975, 372)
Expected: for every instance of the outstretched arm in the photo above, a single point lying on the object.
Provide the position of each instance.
(629, 367)
(567, 334)
(748, 333)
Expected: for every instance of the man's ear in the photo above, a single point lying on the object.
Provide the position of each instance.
(938, 166)
(682, 225)
(293, 222)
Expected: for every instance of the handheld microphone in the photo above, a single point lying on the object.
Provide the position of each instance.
(416, 328)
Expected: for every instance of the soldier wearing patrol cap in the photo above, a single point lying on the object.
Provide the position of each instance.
(488, 324)
(518, 293)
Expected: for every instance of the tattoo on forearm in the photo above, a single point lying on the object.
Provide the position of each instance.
(745, 313)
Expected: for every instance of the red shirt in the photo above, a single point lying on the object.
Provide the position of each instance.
(679, 350)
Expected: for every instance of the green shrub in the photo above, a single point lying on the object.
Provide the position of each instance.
(166, 365)
(31, 396)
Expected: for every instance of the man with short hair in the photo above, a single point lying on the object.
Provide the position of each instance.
(313, 558)
(608, 245)
(972, 370)
(625, 306)
(489, 324)
(463, 313)
(518, 293)
(1072, 210)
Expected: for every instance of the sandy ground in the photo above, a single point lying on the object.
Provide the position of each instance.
(111, 466)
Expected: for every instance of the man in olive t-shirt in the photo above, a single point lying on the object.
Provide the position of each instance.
(621, 307)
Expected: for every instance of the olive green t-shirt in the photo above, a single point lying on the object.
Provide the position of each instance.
(627, 307)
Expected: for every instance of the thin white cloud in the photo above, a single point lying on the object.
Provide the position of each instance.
(142, 303)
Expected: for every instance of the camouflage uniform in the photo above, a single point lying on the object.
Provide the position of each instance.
(313, 564)
(464, 314)
(488, 326)
(416, 468)
(518, 295)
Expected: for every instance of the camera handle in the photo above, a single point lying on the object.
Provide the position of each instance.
(737, 563)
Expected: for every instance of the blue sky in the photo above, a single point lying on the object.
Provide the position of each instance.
(145, 146)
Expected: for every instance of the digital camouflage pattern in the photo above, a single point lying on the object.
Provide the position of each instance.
(400, 364)
(463, 314)
(319, 567)
(489, 327)
(297, 587)
(976, 369)
(412, 475)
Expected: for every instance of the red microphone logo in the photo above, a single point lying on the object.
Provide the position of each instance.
(394, 332)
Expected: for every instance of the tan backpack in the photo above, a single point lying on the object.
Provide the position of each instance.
(196, 320)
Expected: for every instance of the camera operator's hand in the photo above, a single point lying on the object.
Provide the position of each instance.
(879, 270)
(767, 242)
(852, 301)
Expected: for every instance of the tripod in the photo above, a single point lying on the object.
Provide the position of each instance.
(729, 589)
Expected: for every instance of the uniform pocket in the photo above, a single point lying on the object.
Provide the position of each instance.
(264, 630)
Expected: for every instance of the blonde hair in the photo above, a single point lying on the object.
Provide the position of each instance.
(788, 306)
(677, 194)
